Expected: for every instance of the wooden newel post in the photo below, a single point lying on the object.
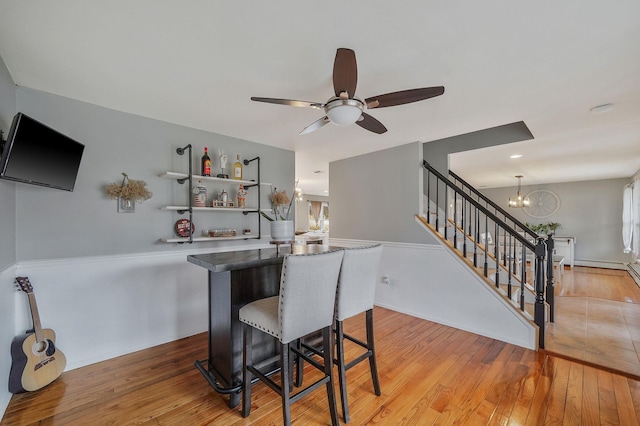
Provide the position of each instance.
(539, 283)
(550, 277)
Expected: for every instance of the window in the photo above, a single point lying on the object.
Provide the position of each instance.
(318, 216)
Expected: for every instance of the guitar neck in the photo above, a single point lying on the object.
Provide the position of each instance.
(37, 327)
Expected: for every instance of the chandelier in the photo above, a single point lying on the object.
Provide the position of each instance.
(519, 201)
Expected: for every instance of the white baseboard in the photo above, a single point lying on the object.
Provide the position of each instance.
(599, 264)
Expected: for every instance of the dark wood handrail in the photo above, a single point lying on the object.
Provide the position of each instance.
(484, 198)
(526, 242)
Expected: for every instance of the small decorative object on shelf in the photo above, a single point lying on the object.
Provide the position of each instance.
(200, 198)
(222, 233)
(184, 227)
(223, 164)
(220, 203)
(128, 192)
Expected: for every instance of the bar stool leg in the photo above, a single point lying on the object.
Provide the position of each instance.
(372, 356)
(246, 374)
(299, 364)
(327, 343)
(342, 377)
(285, 383)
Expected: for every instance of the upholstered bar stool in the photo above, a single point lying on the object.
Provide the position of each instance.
(355, 295)
(356, 291)
(305, 304)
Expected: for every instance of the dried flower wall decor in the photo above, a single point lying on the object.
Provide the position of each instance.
(128, 192)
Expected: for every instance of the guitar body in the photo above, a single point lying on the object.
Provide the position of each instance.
(35, 364)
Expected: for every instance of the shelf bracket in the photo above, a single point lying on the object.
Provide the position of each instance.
(181, 181)
(246, 163)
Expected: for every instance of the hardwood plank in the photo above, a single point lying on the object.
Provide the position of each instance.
(574, 395)
(624, 402)
(539, 403)
(590, 397)
(608, 408)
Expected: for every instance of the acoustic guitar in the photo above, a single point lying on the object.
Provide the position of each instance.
(35, 359)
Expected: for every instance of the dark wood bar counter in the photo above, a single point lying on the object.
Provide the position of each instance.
(235, 279)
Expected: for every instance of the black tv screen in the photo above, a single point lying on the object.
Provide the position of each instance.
(37, 154)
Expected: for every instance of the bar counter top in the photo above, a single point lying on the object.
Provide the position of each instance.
(243, 259)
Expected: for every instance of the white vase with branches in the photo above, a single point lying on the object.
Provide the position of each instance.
(281, 226)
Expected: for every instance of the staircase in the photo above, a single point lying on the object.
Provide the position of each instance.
(501, 250)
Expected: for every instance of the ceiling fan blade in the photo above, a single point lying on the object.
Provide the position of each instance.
(315, 125)
(369, 123)
(345, 72)
(403, 97)
(290, 102)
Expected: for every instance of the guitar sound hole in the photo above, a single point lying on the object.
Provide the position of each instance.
(44, 347)
(50, 348)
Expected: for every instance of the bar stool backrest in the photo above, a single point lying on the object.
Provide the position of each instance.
(357, 281)
(307, 293)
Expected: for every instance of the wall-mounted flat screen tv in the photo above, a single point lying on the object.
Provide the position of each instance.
(35, 153)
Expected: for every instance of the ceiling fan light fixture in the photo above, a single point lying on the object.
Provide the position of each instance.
(344, 111)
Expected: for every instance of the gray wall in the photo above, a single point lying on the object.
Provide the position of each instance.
(376, 196)
(591, 211)
(7, 243)
(7, 190)
(59, 224)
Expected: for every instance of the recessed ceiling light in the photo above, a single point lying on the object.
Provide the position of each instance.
(601, 108)
(516, 156)
(326, 190)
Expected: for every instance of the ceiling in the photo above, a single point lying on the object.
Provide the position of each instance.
(197, 63)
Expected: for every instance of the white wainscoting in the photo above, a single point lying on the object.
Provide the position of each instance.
(104, 307)
(428, 281)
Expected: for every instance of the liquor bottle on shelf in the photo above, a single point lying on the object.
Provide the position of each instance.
(242, 197)
(206, 163)
(200, 198)
(237, 168)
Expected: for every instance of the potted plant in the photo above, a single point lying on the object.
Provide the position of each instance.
(281, 226)
(544, 229)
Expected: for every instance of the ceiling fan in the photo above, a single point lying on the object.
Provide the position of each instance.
(344, 108)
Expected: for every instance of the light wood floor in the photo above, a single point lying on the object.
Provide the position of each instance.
(597, 319)
(429, 374)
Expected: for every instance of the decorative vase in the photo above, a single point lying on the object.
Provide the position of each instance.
(282, 230)
(126, 206)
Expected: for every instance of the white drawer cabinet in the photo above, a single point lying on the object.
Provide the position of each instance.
(564, 246)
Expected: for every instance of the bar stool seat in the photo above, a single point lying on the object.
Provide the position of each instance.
(305, 304)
